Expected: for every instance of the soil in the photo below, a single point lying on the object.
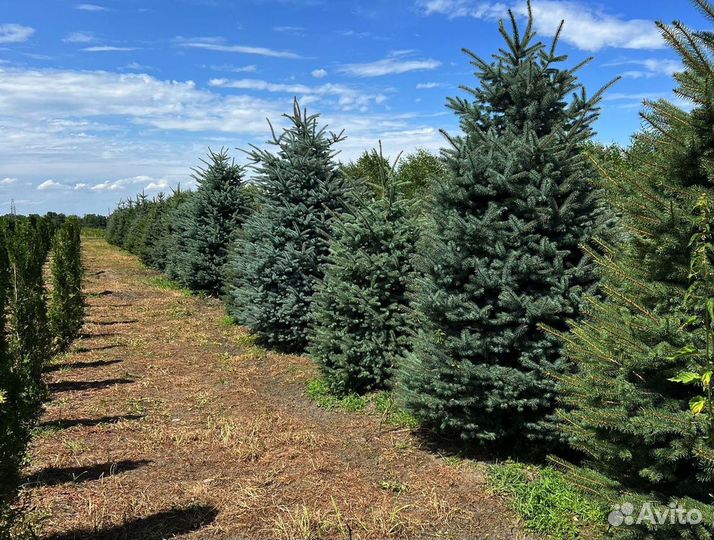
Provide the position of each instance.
(166, 421)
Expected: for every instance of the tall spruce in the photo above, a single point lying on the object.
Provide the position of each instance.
(216, 212)
(361, 327)
(640, 404)
(66, 308)
(503, 255)
(278, 260)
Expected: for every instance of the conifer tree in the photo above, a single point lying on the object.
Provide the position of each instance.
(28, 334)
(217, 210)
(360, 324)
(639, 406)
(24, 347)
(503, 255)
(162, 242)
(12, 436)
(66, 309)
(280, 256)
(136, 224)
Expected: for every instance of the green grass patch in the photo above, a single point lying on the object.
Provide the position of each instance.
(381, 403)
(166, 284)
(547, 502)
(319, 392)
(92, 232)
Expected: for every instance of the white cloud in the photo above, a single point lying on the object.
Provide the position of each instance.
(319, 73)
(79, 37)
(108, 48)
(158, 185)
(650, 67)
(252, 68)
(7, 181)
(15, 33)
(213, 44)
(74, 126)
(428, 85)
(587, 28)
(396, 62)
(139, 98)
(348, 98)
(90, 7)
(50, 184)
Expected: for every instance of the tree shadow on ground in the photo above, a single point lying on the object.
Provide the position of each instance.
(84, 365)
(80, 350)
(159, 526)
(89, 422)
(100, 293)
(54, 476)
(524, 451)
(110, 323)
(69, 386)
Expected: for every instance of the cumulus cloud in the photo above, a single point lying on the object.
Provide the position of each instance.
(74, 126)
(396, 62)
(319, 73)
(348, 98)
(50, 184)
(15, 33)
(587, 28)
(7, 181)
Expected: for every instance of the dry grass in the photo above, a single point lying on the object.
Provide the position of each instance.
(168, 422)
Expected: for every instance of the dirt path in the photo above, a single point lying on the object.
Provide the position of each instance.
(165, 421)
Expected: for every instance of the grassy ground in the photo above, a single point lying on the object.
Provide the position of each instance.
(168, 422)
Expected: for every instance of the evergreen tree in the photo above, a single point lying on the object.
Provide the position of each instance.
(136, 224)
(419, 173)
(66, 309)
(640, 404)
(361, 327)
(503, 255)
(168, 240)
(280, 257)
(218, 209)
(24, 347)
(119, 222)
(28, 332)
(12, 435)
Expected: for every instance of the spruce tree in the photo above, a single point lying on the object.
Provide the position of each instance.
(361, 327)
(165, 242)
(218, 209)
(279, 258)
(639, 406)
(503, 254)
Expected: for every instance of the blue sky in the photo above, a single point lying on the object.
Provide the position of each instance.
(101, 100)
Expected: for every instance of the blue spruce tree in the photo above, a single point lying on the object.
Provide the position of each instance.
(279, 258)
(216, 212)
(504, 252)
(361, 325)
